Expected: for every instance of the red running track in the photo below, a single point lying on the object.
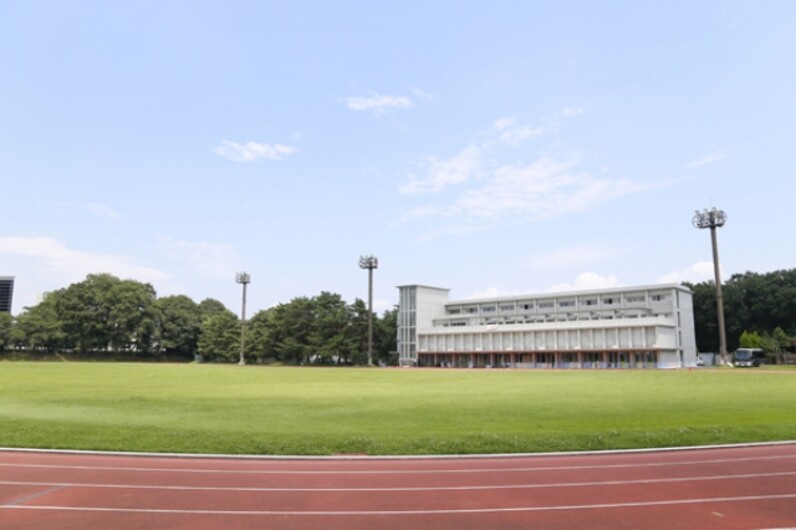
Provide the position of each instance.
(740, 487)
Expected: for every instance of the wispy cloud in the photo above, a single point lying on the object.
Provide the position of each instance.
(698, 272)
(49, 264)
(576, 255)
(251, 151)
(541, 190)
(102, 210)
(510, 134)
(488, 194)
(584, 282)
(570, 112)
(210, 260)
(421, 94)
(378, 104)
(439, 174)
(93, 207)
(716, 156)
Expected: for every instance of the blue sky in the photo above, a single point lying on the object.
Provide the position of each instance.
(487, 147)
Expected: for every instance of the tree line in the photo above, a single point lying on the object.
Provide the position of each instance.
(105, 315)
(759, 312)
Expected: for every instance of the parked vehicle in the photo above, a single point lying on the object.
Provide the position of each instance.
(748, 357)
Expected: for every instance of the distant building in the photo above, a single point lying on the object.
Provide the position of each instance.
(6, 293)
(628, 327)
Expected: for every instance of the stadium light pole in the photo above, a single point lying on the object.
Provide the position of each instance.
(713, 219)
(370, 263)
(244, 279)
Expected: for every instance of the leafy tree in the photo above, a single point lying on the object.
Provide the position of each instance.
(293, 323)
(776, 344)
(386, 337)
(358, 331)
(179, 325)
(750, 340)
(210, 306)
(328, 339)
(40, 328)
(220, 337)
(6, 329)
(261, 337)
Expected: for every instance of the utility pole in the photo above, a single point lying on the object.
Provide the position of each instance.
(713, 219)
(244, 279)
(370, 263)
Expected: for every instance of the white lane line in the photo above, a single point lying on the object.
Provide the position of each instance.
(28, 498)
(675, 502)
(744, 476)
(397, 471)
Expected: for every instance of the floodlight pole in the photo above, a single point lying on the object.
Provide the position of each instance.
(244, 279)
(370, 263)
(713, 219)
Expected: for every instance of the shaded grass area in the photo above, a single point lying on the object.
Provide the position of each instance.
(319, 411)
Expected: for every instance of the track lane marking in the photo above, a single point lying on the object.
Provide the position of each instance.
(32, 496)
(400, 489)
(396, 471)
(407, 512)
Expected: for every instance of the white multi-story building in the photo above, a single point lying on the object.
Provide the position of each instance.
(627, 327)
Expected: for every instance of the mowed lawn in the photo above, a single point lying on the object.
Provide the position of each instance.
(320, 411)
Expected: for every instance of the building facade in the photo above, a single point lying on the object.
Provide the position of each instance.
(628, 327)
(6, 293)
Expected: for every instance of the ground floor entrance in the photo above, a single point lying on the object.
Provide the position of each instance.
(541, 359)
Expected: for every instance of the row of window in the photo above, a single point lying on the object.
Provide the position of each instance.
(550, 304)
(568, 317)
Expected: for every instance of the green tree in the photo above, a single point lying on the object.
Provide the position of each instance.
(179, 325)
(358, 331)
(776, 344)
(750, 340)
(386, 337)
(261, 337)
(293, 324)
(328, 339)
(6, 330)
(220, 337)
(40, 327)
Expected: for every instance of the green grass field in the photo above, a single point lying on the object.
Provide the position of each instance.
(320, 411)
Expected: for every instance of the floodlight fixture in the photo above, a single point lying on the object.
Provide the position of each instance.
(712, 219)
(244, 279)
(369, 262)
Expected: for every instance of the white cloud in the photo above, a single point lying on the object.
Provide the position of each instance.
(579, 255)
(572, 111)
(584, 282)
(492, 292)
(93, 207)
(716, 156)
(210, 260)
(544, 189)
(45, 264)
(378, 104)
(503, 123)
(251, 151)
(102, 210)
(56, 256)
(442, 173)
(698, 272)
(421, 94)
(510, 135)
